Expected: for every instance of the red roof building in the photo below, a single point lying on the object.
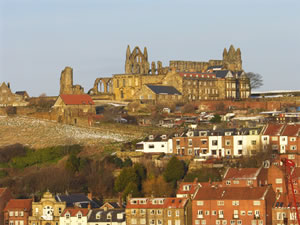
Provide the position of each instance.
(233, 205)
(17, 211)
(5, 196)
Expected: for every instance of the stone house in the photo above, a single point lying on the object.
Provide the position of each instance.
(171, 211)
(17, 211)
(7, 98)
(233, 205)
(158, 94)
(74, 109)
(5, 196)
(47, 211)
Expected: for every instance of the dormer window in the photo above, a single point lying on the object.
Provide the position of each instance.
(151, 137)
(164, 136)
(98, 216)
(67, 215)
(79, 215)
(108, 216)
(133, 201)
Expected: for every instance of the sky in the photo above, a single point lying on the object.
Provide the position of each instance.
(39, 38)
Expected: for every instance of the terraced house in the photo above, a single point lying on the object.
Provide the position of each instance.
(158, 211)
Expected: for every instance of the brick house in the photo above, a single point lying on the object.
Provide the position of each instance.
(17, 211)
(233, 205)
(5, 196)
(158, 211)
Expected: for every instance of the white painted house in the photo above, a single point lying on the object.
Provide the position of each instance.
(156, 144)
(74, 216)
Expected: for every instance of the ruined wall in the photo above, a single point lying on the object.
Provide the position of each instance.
(263, 104)
(66, 83)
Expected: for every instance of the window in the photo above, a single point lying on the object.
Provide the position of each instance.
(169, 222)
(16, 213)
(293, 147)
(151, 146)
(11, 213)
(169, 213)
(203, 222)
(240, 142)
(227, 142)
(236, 182)
(11, 222)
(292, 139)
(256, 202)
(214, 142)
(218, 222)
(200, 214)
(253, 142)
(133, 212)
(214, 212)
(177, 222)
(177, 212)
(159, 212)
(228, 182)
(200, 203)
(235, 202)
(142, 211)
(190, 142)
(224, 222)
(152, 212)
(239, 222)
(249, 182)
(274, 138)
(21, 222)
(79, 215)
(250, 213)
(207, 213)
(232, 222)
(67, 215)
(243, 213)
(278, 181)
(159, 222)
(21, 213)
(220, 203)
(133, 221)
(143, 221)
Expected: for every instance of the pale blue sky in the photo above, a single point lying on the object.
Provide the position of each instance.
(38, 38)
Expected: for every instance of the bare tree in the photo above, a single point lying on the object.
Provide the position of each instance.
(256, 80)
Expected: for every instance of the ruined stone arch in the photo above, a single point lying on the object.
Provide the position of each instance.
(102, 85)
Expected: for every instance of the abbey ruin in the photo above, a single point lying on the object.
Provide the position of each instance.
(142, 80)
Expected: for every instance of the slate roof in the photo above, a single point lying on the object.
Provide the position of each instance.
(160, 89)
(215, 67)
(232, 193)
(23, 204)
(115, 205)
(103, 215)
(241, 173)
(76, 199)
(221, 73)
(77, 99)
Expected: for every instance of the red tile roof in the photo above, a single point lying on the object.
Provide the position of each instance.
(77, 99)
(232, 193)
(74, 211)
(188, 188)
(241, 173)
(19, 204)
(154, 203)
(291, 130)
(273, 129)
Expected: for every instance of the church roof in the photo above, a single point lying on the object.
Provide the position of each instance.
(160, 89)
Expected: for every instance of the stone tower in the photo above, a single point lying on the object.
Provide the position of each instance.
(232, 60)
(136, 62)
(66, 81)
